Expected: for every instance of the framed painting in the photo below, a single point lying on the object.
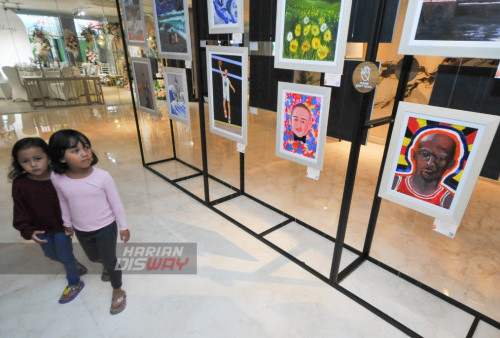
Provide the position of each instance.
(227, 74)
(301, 123)
(312, 35)
(177, 94)
(144, 88)
(451, 29)
(435, 157)
(225, 16)
(134, 22)
(173, 36)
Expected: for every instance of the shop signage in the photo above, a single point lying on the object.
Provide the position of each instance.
(365, 77)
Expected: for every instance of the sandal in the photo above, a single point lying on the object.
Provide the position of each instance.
(71, 292)
(105, 276)
(82, 270)
(119, 303)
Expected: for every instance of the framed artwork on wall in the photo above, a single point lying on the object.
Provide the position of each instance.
(452, 29)
(301, 123)
(312, 35)
(225, 16)
(134, 22)
(227, 74)
(144, 88)
(435, 157)
(173, 35)
(177, 94)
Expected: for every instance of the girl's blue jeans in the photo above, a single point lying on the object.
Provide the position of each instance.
(60, 248)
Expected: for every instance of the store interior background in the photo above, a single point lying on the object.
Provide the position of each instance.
(466, 268)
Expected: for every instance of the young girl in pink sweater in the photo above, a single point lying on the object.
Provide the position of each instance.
(90, 205)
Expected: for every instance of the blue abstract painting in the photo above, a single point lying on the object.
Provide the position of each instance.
(225, 12)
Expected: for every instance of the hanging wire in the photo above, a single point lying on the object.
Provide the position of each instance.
(454, 83)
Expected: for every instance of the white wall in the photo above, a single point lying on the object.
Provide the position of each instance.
(14, 43)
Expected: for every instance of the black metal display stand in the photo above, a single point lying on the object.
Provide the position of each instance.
(335, 277)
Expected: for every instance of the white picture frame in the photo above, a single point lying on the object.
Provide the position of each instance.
(308, 151)
(472, 134)
(225, 16)
(143, 85)
(177, 94)
(135, 24)
(173, 33)
(292, 30)
(228, 118)
(436, 28)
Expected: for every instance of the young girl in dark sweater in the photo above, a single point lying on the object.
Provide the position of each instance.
(37, 214)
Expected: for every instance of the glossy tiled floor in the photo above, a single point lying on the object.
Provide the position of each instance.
(243, 287)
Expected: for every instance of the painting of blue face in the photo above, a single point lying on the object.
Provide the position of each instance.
(225, 16)
(225, 11)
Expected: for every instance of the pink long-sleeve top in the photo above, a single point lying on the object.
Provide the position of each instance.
(89, 203)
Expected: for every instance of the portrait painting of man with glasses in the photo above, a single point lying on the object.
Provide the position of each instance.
(431, 160)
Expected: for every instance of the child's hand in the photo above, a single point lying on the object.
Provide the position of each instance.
(36, 239)
(69, 231)
(124, 235)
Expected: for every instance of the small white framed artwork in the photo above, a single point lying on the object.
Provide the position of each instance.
(177, 94)
(144, 87)
(312, 35)
(451, 29)
(435, 157)
(225, 16)
(227, 77)
(173, 35)
(134, 22)
(301, 123)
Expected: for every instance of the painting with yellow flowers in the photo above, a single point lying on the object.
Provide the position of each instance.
(311, 34)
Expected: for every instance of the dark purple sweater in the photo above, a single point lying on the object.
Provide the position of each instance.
(36, 207)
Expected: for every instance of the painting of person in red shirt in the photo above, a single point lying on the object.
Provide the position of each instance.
(434, 155)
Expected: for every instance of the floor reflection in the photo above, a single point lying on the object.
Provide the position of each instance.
(467, 267)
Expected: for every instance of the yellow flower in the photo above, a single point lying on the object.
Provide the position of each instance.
(305, 46)
(327, 36)
(323, 52)
(307, 29)
(294, 44)
(315, 30)
(316, 42)
(298, 28)
(321, 21)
